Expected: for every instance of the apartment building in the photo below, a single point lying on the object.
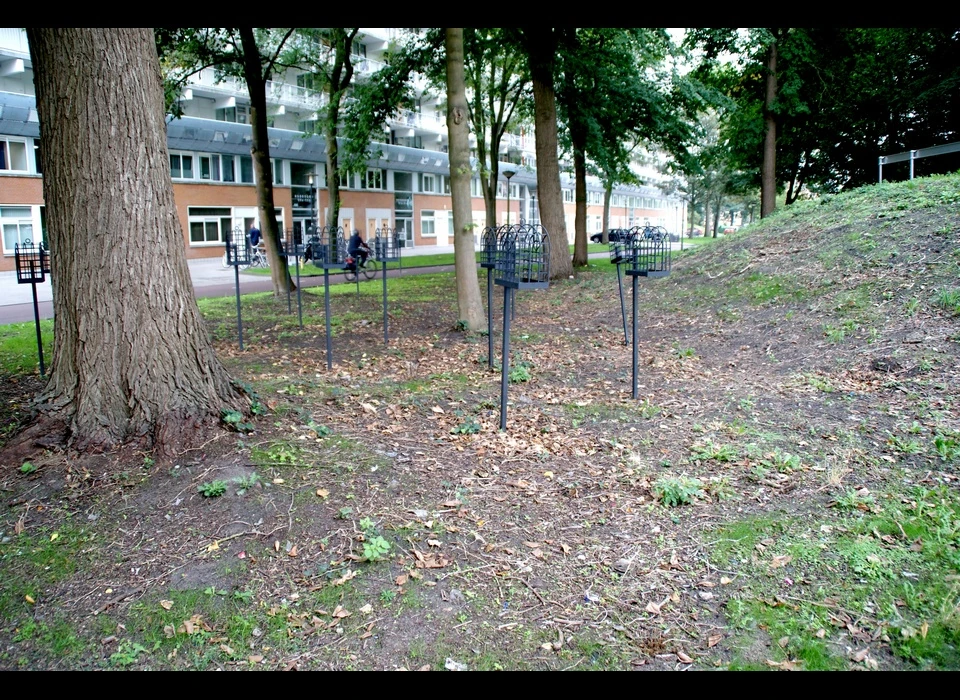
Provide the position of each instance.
(405, 184)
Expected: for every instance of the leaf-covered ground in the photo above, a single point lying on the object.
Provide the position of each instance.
(784, 495)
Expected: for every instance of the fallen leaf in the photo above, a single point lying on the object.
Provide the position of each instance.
(653, 608)
(450, 504)
(29, 598)
(781, 560)
(169, 631)
(343, 579)
(924, 628)
(340, 612)
(366, 609)
(278, 481)
(226, 649)
(783, 641)
(713, 640)
(400, 580)
(684, 658)
(166, 604)
(860, 655)
(54, 536)
(293, 551)
(821, 633)
(369, 408)
(323, 493)
(437, 409)
(213, 546)
(255, 658)
(565, 548)
(533, 545)
(452, 665)
(725, 580)
(435, 543)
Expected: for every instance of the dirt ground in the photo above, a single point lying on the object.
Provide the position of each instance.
(374, 517)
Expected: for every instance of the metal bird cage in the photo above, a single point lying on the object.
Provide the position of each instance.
(617, 239)
(238, 247)
(523, 257)
(331, 252)
(648, 252)
(31, 261)
(386, 245)
(488, 252)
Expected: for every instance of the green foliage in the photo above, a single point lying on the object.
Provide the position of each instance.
(234, 420)
(469, 427)
(127, 653)
(677, 491)
(245, 483)
(212, 489)
(28, 468)
(949, 300)
(519, 372)
(375, 546)
(708, 450)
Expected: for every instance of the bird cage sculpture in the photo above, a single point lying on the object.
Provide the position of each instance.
(523, 257)
(648, 253)
(331, 252)
(386, 245)
(488, 252)
(238, 248)
(617, 240)
(31, 261)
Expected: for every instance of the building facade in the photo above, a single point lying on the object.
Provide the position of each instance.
(405, 184)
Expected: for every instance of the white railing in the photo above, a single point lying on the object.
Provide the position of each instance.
(917, 154)
(293, 95)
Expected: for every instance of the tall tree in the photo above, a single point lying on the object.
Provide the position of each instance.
(252, 55)
(131, 359)
(541, 45)
(468, 287)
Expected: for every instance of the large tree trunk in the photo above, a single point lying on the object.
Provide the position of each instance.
(470, 307)
(542, 46)
(580, 196)
(260, 152)
(768, 171)
(131, 358)
(605, 226)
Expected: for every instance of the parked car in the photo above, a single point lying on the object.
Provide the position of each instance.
(615, 235)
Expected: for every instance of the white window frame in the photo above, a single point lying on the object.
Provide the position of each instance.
(205, 219)
(428, 216)
(567, 196)
(33, 221)
(430, 188)
(374, 179)
(7, 156)
(180, 155)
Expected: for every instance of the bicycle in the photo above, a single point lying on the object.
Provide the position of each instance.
(368, 271)
(258, 258)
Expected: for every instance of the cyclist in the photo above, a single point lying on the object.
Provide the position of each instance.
(254, 235)
(357, 249)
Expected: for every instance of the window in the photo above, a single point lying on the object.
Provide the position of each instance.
(207, 224)
(374, 180)
(347, 180)
(13, 155)
(208, 167)
(428, 183)
(232, 114)
(229, 174)
(428, 222)
(246, 169)
(277, 167)
(595, 197)
(475, 190)
(568, 195)
(17, 224)
(403, 182)
(181, 166)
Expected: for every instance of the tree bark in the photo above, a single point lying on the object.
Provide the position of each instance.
(580, 196)
(470, 308)
(131, 358)
(607, 195)
(768, 174)
(542, 47)
(260, 152)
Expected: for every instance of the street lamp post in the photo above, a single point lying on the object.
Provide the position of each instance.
(508, 172)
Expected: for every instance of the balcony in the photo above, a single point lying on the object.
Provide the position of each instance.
(278, 93)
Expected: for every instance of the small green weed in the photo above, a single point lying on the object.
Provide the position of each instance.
(520, 372)
(469, 427)
(677, 491)
(375, 546)
(949, 300)
(127, 653)
(212, 489)
(234, 420)
(28, 468)
(708, 451)
(245, 483)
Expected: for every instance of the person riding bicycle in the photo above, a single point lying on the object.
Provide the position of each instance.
(254, 235)
(357, 249)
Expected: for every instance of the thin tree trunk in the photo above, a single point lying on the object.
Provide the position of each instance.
(470, 308)
(607, 195)
(542, 46)
(580, 215)
(260, 152)
(768, 175)
(131, 359)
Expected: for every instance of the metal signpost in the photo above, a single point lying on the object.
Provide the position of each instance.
(615, 239)
(488, 261)
(332, 256)
(33, 264)
(238, 253)
(647, 255)
(522, 262)
(386, 247)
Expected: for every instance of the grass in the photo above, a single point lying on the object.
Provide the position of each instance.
(18, 346)
(879, 570)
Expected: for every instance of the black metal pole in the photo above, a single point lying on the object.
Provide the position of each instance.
(296, 259)
(236, 273)
(287, 277)
(386, 339)
(505, 365)
(623, 305)
(635, 352)
(326, 313)
(36, 317)
(490, 318)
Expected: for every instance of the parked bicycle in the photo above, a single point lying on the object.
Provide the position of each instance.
(258, 258)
